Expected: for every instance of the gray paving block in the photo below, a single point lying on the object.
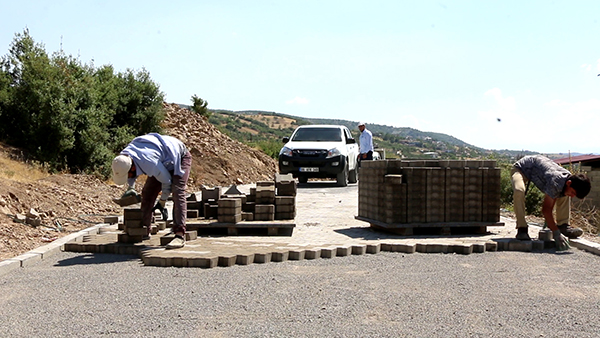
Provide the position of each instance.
(203, 262)
(312, 253)
(328, 252)
(503, 243)
(437, 248)
(262, 257)
(343, 251)
(517, 245)
(359, 249)
(228, 260)
(296, 255)
(479, 247)
(373, 248)
(545, 235)
(537, 245)
(244, 259)
(463, 249)
(279, 256)
(491, 246)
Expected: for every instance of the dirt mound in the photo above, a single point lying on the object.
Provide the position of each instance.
(69, 203)
(216, 158)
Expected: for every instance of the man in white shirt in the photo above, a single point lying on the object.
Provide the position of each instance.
(167, 162)
(366, 143)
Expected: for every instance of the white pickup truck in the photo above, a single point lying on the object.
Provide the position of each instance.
(323, 151)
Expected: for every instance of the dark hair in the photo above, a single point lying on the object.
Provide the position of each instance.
(581, 184)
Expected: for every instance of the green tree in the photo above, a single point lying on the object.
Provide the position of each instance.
(200, 106)
(69, 115)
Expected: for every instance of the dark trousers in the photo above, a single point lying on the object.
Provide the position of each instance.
(367, 157)
(153, 188)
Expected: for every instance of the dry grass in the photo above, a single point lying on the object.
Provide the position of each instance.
(19, 171)
(584, 215)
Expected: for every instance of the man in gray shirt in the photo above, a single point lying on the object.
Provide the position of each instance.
(558, 185)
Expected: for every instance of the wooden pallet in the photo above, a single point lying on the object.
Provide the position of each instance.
(433, 228)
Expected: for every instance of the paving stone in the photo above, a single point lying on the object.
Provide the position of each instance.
(328, 252)
(262, 257)
(136, 231)
(132, 214)
(537, 245)
(228, 260)
(343, 251)
(463, 249)
(312, 253)
(192, 213)
(436, 248)
(132, 223)
(359, 249)
(545, 235)
(491, 246)
(373, 248)
(203, 262)
(517, 245)
(296, 255)
(479, 247)
(111, 219)
(244, 259)
(279, 256)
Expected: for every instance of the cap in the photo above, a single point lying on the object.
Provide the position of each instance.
(361, 124)
(120, 167)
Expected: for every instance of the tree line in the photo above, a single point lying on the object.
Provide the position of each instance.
(70, 116)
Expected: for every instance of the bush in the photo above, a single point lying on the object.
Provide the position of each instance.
(70, 116)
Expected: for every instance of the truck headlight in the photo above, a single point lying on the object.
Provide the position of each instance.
(285, 151)
(333, 152)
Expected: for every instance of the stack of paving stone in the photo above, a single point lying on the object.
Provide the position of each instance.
(420, 192)
(230, 210)
(210, 200)
(285, 199)
(264, 208)
(133, 231)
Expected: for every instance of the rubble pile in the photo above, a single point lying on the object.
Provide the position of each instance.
(216, 158)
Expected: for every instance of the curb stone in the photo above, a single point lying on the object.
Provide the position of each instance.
(47, 250)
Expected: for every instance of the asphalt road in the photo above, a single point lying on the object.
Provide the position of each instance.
(494, 294)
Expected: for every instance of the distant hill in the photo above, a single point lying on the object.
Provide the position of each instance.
(264, 130)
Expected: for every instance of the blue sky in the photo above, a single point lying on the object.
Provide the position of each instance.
(453, 67)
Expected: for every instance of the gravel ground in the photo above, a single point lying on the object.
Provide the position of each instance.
(495, 294)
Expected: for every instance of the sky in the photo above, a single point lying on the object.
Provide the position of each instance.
(518, 75)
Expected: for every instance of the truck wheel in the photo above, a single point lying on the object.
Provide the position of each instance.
(342, 178)
(352, 176)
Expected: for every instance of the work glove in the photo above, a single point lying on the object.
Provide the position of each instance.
(130, 192)
(160, 206)
(562, 243)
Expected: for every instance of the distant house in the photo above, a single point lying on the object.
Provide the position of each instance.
(590, 165)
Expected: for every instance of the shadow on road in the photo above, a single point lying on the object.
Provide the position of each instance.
(96, 259)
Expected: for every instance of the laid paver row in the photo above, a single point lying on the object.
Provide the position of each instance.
(212, 252)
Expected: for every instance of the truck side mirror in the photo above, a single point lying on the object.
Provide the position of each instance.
(350, 141)
(285, 139)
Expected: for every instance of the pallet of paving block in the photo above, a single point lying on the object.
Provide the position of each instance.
(433, 228)
(250, 228)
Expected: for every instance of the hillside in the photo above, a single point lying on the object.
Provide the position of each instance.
(70, 203)
(265, 130)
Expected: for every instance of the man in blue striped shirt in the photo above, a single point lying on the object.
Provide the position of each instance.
(167, 162)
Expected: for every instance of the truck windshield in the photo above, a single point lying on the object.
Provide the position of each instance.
(318, 134)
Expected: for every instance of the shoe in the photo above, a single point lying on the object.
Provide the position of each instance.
(176, 243)
(523, 234)
(569, 231)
